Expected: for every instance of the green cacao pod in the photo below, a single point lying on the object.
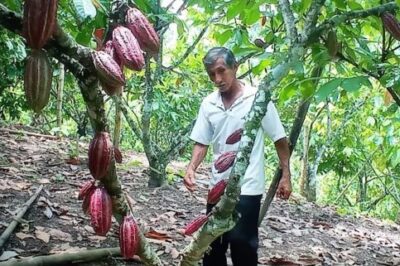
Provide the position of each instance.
(391, 25)
(39, 22)
(37, 80)
(142, 30)
(332, 43)
(128, 48)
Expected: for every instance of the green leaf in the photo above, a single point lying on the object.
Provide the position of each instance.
(326, 89)
(223, 37)
(354, 84)
(85, 9)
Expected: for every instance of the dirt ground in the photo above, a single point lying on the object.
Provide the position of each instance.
(293, 233)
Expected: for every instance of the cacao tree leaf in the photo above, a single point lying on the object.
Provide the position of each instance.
(326, 89)
(85, 9)
(355, 83)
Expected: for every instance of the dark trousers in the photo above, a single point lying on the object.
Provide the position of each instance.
(243, 238)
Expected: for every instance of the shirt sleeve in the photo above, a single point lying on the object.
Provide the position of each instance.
(202, 131)
(272, 124)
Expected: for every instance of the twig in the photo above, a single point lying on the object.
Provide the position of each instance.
(68, 258)
(19, 132)
(11, 227)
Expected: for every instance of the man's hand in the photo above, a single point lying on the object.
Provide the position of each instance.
(189, 179)
(285, 186)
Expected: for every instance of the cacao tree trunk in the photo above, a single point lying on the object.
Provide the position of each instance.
(117, 123)
(60, 91)
(157, 169)
(304, 161)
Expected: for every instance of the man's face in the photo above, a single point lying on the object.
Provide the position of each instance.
(222, 76)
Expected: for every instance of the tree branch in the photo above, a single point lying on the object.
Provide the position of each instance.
(312, 16)
(345, 17)
(289, 20)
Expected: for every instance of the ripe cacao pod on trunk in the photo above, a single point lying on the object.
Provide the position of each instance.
(86, 201)
(235, 136)
(86, 189)
(110, 49)
(100, 155)
(195, 225)
(142, 30)
(39, 22)
(37, 80)
(332, 43)
(129, 237)
(100, 211)
(391, 25)
(225, 161)
(127, 48)
(214, 195)
(108, 70)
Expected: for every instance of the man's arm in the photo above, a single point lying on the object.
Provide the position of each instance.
(198, 154)
(285, 186)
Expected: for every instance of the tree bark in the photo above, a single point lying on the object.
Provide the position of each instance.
(60, 90)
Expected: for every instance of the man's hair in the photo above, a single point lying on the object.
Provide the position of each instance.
(219, 52)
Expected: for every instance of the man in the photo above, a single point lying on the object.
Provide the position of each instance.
(221, 113)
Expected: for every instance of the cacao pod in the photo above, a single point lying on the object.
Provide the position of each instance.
(216, 192)
(109, 49)
(195, 225)
(391, 25)
(127, 48)
(117, 155)
(39, 22)
(86, 201)
(142, 30)
(332, 43)
(235, 136)
(260, 43)
(86, 189)
(225, 161)
(100, 155)
(108, 70)
(37, 80)
(100, 211)
(129, 237)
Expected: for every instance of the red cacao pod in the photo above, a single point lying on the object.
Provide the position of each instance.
(129, 238)
(110, 49)
(225, 161)
(100, 211)
(214, 195)
(39, 22)
(86, 201)
(86, 189)
(142, 30)
(117, 155)
(37, 80)
(108, 70)
(100, 155)
(235, 136)
(195, 225)
(127, 48)
(391, 25)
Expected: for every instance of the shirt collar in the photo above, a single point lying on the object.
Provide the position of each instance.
(247, 92)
